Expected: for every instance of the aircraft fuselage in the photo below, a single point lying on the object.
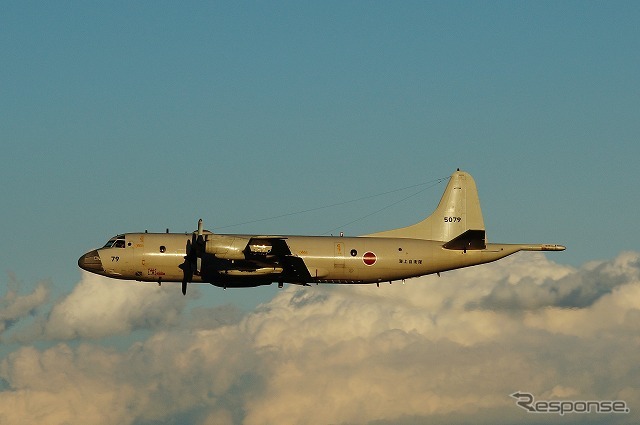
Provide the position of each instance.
(452, 237)
(157, 257)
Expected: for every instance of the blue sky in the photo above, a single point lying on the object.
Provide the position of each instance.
(123, 117)
(119, 117)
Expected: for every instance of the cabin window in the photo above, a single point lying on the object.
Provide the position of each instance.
(163, 248)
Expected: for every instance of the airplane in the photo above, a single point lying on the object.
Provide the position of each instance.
(452, 237)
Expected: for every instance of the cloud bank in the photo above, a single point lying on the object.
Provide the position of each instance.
(14, 307)
(99, 307)
(437, 350)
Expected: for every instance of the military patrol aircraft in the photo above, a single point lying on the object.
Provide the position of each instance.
(451, 238)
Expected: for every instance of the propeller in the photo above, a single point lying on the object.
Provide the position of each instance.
(199, 248)
(193, 260)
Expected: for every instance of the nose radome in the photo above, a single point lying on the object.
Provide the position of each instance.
(91, 262)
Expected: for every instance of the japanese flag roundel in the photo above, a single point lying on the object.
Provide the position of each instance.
(369, 258)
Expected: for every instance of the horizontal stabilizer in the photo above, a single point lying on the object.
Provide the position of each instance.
(469, 240)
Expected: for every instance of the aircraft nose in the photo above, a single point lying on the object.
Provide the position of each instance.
(91, 262)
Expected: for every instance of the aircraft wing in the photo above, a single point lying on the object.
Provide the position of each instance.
(294, 268)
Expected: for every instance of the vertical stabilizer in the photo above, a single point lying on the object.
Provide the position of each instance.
(457, 220)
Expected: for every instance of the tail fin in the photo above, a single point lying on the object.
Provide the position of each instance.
(457, 220)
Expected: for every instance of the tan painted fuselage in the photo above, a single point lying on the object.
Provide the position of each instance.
(451, 238)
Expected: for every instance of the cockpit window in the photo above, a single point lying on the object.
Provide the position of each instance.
(115, 242)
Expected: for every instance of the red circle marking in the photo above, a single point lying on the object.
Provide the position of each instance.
(369, 258)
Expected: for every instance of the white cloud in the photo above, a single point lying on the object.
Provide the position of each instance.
(100, 307)
(438, 350)
(14, 307)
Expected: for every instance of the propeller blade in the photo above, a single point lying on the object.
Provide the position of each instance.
(193, 257)
(199, 248)
(187, 272)
(187, 268)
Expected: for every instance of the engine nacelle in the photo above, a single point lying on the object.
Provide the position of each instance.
(260, 247)
(226, 247)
